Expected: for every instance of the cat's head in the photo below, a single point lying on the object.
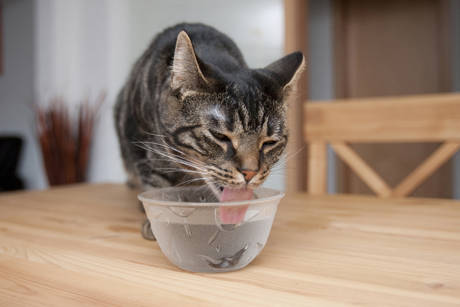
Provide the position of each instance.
(233, 124)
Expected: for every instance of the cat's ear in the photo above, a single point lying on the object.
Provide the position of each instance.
(287, 70)
(186, 73)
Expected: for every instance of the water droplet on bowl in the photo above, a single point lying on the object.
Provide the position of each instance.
(213, 237)
(188, 231)
(251, 214)
(182, 211)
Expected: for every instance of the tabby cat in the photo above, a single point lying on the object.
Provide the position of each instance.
(192, 112)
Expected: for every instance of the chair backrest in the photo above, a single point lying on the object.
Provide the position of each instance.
(424, 118)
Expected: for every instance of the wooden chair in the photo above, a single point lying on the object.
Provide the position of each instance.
(425, 118)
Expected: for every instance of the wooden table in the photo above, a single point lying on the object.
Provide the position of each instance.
(81, 246)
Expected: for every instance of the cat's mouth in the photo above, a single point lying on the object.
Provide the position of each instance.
(236, 194)
(232, 192)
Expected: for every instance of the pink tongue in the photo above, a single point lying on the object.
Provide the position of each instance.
(234, 214)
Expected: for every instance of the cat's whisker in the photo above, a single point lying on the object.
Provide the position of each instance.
(194, 169)
(174, 159)
(207, 185)
(176, 169)
(184, 171)
(174, 155)
(277, 170)
(283, 169)
(286, 157)
(212, 185)
(167, 160)
(185, 162)
(276, 174)
(155, 134)
(147, 145)
(165, 145)
(282, 166)
(190, 181)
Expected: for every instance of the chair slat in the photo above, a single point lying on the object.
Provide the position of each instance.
(317, 168)
(362, 169)
(426, 169)
(427, 118)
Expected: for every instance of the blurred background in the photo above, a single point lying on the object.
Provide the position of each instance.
(78, 49)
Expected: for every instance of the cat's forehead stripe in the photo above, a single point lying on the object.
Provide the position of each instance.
(260, 114)
(244, 116)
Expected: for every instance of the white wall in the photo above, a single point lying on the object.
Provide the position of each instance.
(84, 46)
(17, 86)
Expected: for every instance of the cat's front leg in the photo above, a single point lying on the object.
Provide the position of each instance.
(146, 231)
(148, 182)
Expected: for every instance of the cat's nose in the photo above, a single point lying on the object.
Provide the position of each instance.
(248, 175)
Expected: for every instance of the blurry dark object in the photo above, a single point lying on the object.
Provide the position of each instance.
(65, 141)
(1, 39)
(10, 150)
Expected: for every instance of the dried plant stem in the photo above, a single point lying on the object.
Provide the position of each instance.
(65, 143)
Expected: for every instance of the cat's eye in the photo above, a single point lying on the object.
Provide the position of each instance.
(268, 143)
(220, 137)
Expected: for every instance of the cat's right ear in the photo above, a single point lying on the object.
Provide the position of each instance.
(287, 71)
(186, 74)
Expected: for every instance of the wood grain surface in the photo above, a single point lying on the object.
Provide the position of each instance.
(81, 246)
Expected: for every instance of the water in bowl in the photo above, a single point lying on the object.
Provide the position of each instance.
(212, 248)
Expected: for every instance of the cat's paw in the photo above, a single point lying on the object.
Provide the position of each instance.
(141, 206)
(147, 231)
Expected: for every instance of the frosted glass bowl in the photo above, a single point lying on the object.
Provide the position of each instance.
(186, 222)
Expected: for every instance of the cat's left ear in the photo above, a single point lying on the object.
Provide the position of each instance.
(287, 70)
(186, 73)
